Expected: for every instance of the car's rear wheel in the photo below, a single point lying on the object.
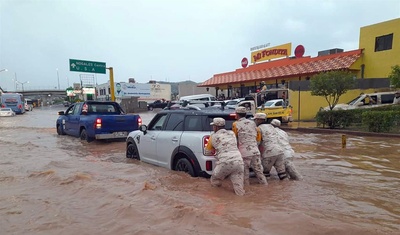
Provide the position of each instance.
(84, 136)
(60, 130)
(132, 151)
(184, 165)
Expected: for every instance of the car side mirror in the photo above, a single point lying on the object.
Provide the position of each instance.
(61, 113)
(143, 128)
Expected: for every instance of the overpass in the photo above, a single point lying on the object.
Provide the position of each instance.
(47, 96)
(39, 93)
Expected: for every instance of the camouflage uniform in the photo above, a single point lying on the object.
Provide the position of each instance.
(272, 154)
(246, 132)
(288, 153)
(229, 161)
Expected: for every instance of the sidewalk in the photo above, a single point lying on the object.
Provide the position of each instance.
(311, 127)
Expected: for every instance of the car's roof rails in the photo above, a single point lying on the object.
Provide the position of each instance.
(185, 103)
(192, 107)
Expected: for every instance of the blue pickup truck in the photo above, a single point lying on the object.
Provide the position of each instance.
(92, 120)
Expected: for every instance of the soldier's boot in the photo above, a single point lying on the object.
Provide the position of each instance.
(292, 171)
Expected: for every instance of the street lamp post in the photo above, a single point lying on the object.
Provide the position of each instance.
(58, 79)
(22, 84)
(67, 82)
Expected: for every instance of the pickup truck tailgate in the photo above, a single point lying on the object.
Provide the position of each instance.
(114, 123)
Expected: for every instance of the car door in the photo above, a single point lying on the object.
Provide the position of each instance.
(148, 142)
(67, 125)
(74, 119)
(169, 139)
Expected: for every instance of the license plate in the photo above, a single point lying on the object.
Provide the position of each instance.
(120, 134)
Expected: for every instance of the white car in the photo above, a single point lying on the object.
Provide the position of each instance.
(272, 103)
(176, 139)
(370, 100)
(6, 112)
(232, 103)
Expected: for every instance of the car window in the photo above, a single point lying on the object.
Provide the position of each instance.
(77, 108)
(103, 108)
(279, 103)
(193, 123)
(268, 103)
(158, 122)
(374, 99)
(70, 110)
(175, 122)
(354, 100)
(387, 98)
(229, 120)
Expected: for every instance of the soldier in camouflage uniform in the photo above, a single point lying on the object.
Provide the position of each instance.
(288, 151)
(272, 154)
(248, 136)
(229, 161)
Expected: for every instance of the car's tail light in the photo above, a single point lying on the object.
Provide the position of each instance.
(98, 123)
(205, 142)
(139, 121)
(208, 165)
(20, 106)
(232, 114)
(3, 106)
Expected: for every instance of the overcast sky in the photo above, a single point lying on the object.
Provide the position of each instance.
(168, 40)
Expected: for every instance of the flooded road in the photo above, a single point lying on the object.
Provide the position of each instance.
(52, 184)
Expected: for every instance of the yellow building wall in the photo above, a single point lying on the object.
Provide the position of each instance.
(378, 64)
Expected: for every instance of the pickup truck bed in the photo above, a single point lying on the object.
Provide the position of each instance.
(96, 120)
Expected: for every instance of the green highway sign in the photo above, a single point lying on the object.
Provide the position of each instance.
(87, 66)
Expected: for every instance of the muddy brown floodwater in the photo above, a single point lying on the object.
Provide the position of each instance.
(53, 184)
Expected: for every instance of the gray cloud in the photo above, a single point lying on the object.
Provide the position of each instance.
(168, 40)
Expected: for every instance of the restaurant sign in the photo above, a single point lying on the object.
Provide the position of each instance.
(271, 53)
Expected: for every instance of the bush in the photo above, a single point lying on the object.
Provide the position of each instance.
(338, 118)
(381, 121)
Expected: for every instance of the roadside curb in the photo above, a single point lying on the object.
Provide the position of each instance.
(333, 131)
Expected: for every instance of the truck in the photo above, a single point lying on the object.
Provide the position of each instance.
(273, 102)
(96, 120)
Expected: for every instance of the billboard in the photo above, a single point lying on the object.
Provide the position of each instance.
(271, 53)
(123, 89)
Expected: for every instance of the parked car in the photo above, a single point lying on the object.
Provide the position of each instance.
(157, 104)
(66, 103)
(200, 97)
(272, 103)
(176, 139)
(233, 103)
(96, 120)
(28, 105)
(6, 112)
(369, 100)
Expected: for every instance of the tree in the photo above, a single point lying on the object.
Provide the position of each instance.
(394, 76)
(331, 85)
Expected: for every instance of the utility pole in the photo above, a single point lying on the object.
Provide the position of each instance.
(16, 81)
(58, 79)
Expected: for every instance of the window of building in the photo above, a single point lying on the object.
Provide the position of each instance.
(384, 42)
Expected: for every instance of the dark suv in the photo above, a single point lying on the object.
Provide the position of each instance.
(176, 139)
